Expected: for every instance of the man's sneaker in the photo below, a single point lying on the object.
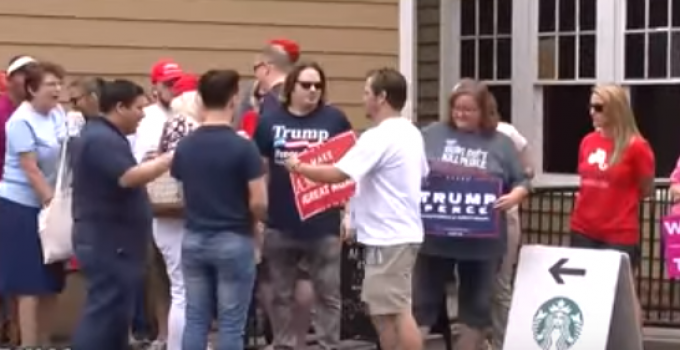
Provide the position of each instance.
(138, 344)
(157, 345)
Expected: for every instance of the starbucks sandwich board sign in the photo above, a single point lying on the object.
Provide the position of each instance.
(557, 324)
(572, 299)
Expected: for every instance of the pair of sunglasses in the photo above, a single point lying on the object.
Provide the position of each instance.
(307, 85)
(597, 107)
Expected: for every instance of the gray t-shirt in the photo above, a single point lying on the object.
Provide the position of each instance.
(473, 153)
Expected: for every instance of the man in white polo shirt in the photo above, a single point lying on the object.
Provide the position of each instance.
(388, 164)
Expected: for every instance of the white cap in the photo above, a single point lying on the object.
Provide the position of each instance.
(19, 63)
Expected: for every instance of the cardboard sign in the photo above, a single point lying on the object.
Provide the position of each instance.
(460, 205)
(670, 229)
(312, 198)
(573, 299)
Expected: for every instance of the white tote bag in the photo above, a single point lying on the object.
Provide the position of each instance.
(56, 220)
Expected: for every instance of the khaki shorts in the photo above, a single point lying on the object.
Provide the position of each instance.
(387, 278)
(157, 282)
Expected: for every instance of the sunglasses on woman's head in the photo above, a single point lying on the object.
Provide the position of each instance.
(597, 107)
(308, 85)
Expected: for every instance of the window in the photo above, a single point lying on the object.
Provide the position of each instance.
(652, 103)
(652, 40)
(566, 72)
(652, 72)
(503, 95)
(566, 119)
(486, 46)
(566, 40)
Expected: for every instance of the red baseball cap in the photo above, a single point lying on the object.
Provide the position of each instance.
(187, 82)
(165, 70)
(290, 47)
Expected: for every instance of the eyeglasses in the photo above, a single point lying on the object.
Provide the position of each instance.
(258, 65)
(597, 107)
(307, 85)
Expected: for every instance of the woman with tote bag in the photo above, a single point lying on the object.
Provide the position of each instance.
(35, 133)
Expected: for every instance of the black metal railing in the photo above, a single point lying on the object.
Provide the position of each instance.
(545, 220)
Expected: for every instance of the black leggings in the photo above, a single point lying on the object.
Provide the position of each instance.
(579, 240)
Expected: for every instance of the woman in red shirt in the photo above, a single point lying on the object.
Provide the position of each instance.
(616, 169)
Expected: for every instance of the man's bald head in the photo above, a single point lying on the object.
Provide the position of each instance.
(277, 57)
(274, 61)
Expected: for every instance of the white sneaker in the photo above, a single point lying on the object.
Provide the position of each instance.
(157, 345)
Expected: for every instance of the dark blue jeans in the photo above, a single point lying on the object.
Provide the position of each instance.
(141, 321)
(112, 279)
(219, 274)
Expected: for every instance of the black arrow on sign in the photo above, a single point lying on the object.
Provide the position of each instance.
(558, 270)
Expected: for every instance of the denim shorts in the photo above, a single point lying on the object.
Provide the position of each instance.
(476, 283)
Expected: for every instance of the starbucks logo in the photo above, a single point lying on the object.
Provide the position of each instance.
(557, 324)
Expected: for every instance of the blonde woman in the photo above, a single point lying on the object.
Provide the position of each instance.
(616, 168)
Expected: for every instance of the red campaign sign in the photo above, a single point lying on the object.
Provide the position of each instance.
(312, 198)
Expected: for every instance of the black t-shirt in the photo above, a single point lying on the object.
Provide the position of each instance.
(105, 214)
(215, 166)
(280, 134)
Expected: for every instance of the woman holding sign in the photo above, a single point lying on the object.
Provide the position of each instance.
(616, 166)
(476, 176)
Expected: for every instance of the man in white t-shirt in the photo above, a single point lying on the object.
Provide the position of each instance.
(164, 278)
(388, 164)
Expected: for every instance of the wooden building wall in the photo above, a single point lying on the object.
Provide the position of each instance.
(123, 38)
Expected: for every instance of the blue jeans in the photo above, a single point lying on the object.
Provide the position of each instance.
(219, 274)
(112, 279)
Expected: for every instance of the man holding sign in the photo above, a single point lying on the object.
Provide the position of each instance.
(476, 176)
(388, 164)
(303, 121)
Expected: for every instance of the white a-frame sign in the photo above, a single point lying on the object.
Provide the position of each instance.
(573, 299)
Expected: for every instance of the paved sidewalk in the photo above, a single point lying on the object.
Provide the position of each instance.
(655, 339)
